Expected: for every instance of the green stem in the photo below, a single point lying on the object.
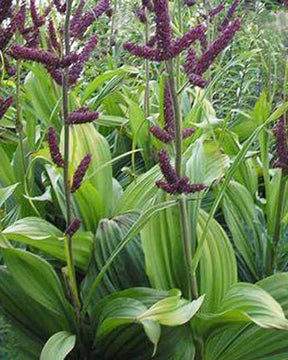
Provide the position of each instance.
(183, 206)
(277, 233)
(147, 95)
(180, 20)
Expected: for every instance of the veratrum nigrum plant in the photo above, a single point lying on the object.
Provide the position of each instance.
(92, 269)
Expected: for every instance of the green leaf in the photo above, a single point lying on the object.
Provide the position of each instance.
(100, 80)
(44, 236)
(245, 223)
(37, 278)
(171, 311)
(129, 263)
(58, 346)
(250, 342)
(6, 192)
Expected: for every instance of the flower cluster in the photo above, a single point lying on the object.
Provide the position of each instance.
(4, 105)
(229, 15)
(281, 135)
(195, 67)
(173, 184)
(167, 134)
(73, 227)
(55, 153)
(80, 22)
(52, 58)
(81, 116)
(164, 47)
(80, 172)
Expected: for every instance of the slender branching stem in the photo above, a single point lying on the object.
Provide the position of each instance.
(65, 111)
(147, 92)
(183, 206)
(277, 233)
(19, 120)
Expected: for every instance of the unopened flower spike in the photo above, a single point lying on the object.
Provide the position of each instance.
(80, 172)
(166, 47)
(73, 227)
(173, 184)
(82, 22)
(4, 105)
(54, 148)
(229, 15)
(281, 134)
(196, 68)
(82, 116)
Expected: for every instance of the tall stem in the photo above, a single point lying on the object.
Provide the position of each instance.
(185, 224)
(279, 213)
(180, 20)
(65, 111)
(19, 122)
(147, 93)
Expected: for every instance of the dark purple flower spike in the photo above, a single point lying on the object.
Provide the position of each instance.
(166, 47)
(82, 116)
(82, 22)
(229, 15)
(173, 184)
(281, 134)
(195, 67)
(167, 134)
(73, 227)
(54, 148)
(80, 172)
(4, 105)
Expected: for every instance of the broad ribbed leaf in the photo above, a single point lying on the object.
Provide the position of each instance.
(245, 222)
(46, 237)
(37, 278)
(171, 311)
(58, 346)
(250, 342)
(38, 322)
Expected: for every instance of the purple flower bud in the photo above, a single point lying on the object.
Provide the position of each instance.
(40, 56)
(61, 8)
(152, 41)
(81, 25)
(53, 36)
(187, 39)
(214, 12)
(162, 135)
(147, 4)
(69, 60)
(190, 2)
(196, 68)
(141, 14)
(166, 168)
(73, 227)
(229, 15)
(169, 117)
(82, 116)
(188, 132)
(217, 46)
(54, 148)
(281, 135)
(169, 188)
(37, 21)
(5, 9)
(145, 52)
(80, 172)
(4, 105)
(163, 26)
(77, 16)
